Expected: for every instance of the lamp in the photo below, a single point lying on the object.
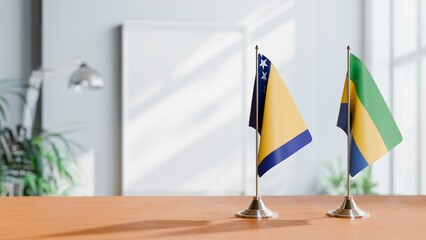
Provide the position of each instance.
(85, 77)
(81, 77)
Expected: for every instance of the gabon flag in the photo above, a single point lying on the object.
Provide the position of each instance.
(281, 127)
(374, 131)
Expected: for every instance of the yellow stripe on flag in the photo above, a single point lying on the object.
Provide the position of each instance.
(281, 118)
(364, 131)
(345, 91)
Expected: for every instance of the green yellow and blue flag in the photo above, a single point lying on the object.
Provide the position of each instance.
(374, 131)
(282, 129)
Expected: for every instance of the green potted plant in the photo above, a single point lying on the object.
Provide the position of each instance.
(333, 180)
(32, 165)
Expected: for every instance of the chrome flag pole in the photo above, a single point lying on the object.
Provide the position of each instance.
(257, 208)
(348, 209)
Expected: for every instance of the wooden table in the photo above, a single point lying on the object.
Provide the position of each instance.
(301, 217)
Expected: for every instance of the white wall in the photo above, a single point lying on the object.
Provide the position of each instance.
(306, 40)
(394, 53)
(378, 58)
(340, 23)
(15, 47)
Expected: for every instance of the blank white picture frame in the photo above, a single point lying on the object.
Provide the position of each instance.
(183, 109)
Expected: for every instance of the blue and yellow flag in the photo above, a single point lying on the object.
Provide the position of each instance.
(374, 131)
(282, 129)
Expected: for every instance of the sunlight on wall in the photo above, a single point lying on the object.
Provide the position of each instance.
(265, 13)
(216, 44)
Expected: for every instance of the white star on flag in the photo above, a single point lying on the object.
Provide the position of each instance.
(263, 76)
(263, 63)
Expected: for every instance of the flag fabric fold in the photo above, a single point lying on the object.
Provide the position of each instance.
(374, 131)
(282, 129)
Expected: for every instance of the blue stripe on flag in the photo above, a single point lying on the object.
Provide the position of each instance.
(342, 120)
(358, 161)
(285, 151)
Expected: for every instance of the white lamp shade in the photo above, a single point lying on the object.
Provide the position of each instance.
(86, 77)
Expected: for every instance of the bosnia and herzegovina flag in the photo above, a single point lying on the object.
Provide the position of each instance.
(374, 131)
(282, 129)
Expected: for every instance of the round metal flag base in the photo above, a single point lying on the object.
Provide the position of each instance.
(348, 209)
(257, 209)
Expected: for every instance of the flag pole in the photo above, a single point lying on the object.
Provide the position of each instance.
(349, 131)
(257, 121)
(257, 208)
(348, 209)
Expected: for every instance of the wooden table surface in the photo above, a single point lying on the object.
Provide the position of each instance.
(300, 217)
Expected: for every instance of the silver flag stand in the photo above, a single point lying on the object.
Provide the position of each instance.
(257, 208)
(348, 209)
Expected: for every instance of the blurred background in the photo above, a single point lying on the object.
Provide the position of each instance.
(172, 116)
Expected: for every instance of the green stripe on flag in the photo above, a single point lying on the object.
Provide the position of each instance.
(373, 102)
